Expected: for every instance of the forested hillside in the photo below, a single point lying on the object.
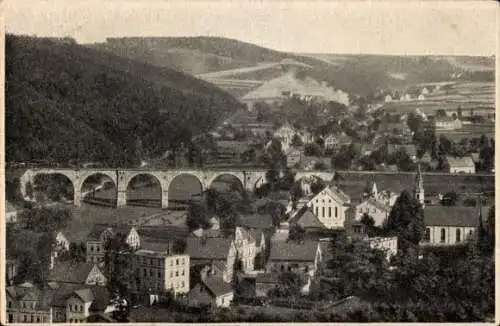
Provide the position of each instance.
(65, 101)
(355, 74)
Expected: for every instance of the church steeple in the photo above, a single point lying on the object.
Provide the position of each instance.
(419, 187)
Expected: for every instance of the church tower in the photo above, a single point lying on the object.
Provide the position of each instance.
(419, 188)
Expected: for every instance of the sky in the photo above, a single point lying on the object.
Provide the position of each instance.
(427, 27)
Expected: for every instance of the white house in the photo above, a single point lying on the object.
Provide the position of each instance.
(246, 248)
(388, 98)
(461, 164)
(285, 134)
(331, 207)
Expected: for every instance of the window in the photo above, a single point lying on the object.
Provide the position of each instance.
(443, 235)
(171, 263)
(323, 211)
(91, 248)
(458, 235)
(159, 274)
(145, 272)
(150, 272)
(10, 304)
(98, 249)
(177, 261)
(282, 268)
(25, 318)
(182, 272)
(470, 233)
(427, 234)
(23, 305)
(32, 318)
(183, 284)
(329, 212)
(316, 211)
(37, 319)
(336, 212)
(289, 268)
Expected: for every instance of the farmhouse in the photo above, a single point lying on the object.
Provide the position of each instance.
(461, 164)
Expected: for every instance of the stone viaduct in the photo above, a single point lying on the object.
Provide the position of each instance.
(249, 179)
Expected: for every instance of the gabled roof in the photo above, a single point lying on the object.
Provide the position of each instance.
(217, 286)
(453, 215)
(85, 294)
(97, 229)
(465, 161)
(255, 221)
(162, 232)
(70, 272)
(335, 193)
(156, 245)
(291, 251)
(208, 248)
(377, 204)
(101, 298)
(306, 219)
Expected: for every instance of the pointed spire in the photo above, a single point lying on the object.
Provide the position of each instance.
(419, 187)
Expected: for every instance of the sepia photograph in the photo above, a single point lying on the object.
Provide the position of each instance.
(248, 161)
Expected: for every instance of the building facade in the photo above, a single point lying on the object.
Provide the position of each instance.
(331, 206)
(160, 271)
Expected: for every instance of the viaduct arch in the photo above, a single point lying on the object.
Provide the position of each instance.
(250, 179)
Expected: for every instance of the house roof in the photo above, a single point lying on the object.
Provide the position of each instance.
(97, 229)
(306, 219)
(291, 251)
(162, 232)
(255, 221)
(217, 286)
(452, 215)
(208, 248)
(465, 161)
(85, 295)
(70, 272)
(334, 192)
(377, 204)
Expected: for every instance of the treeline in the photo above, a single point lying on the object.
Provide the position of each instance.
(68, 102)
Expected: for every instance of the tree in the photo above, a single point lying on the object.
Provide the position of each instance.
(297, 233)
(406, 221)
(355, 267)
(289, 285)
(118, 258)
(317, 185)
(441, 113)
(77, 252)
(369, 225)
(197, 216)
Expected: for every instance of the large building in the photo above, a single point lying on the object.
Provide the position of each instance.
(450, 225)
(159, 270)
(331, 206)
(461, 164)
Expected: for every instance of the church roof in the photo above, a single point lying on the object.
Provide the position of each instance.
(453, 215)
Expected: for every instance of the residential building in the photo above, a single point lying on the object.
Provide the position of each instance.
(204, 251)
(77, 273)
(333, 141)
(461, 164)
(160, 270)
(293, 156)
(285, 134)
(211, 291)
(28, 303)
(246, 248)
(301, 258)
(331, 207)
(264, 282)
(85, 302)
(61, 244)
(231, 151)
(451, 225)
(375, 209)
(101, 233)
(447, 123)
